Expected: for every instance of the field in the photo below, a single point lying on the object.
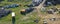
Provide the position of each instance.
(21, 19)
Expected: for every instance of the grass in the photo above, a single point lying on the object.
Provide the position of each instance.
(19, 17)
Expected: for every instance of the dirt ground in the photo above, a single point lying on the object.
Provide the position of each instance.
(47, 17)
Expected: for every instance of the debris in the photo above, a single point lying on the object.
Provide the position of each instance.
(55, 9)
(44, 22)
(59, 10)
(43, 9)
(23, 12)
(50, 11)
(36, 20)
(13, 14)
(53, 19)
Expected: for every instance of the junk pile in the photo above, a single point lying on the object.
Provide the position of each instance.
(59, 10)
(53, 19)
(36, 20)
(43, 9)
(52, 10)
(4, 12)
(45, 22)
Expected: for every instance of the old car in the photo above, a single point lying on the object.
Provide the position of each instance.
(11, 6)
(25, 11)
(4, 12)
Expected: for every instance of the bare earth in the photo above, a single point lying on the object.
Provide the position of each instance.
(47, 16)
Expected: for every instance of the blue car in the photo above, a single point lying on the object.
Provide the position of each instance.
(26, 11)
(4, 12)
(11, 6)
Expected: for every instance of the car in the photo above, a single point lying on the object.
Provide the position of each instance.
(52, 10)
(11, 6)
(1, 0)
(59, 10)
(26, 11)
(53, 2)
(4, 12)
(36, 20)
(10, 0)
(35, 3)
